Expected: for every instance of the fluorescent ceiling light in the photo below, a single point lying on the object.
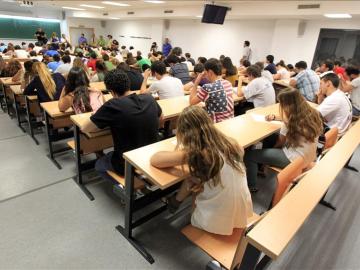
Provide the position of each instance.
(113, 18)
(154, 2)
(28, 18)
(115, 4)
(338, 16)
(73, 8)
(199, 16)
(91, 6)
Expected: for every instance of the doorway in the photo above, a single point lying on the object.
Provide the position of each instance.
(75, 33)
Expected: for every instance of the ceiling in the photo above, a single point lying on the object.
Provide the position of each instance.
(141, 9)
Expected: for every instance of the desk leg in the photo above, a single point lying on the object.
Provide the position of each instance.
(49, 137)
(129, 209)
(347, 166)
(2, 97)
(18, 116)
(78, 179)
(250, 259)
(6, 102)
(31, 130)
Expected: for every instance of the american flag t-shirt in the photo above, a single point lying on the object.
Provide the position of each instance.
(218, 98)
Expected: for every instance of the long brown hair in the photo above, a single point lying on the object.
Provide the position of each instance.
(303, 121)
(45, 78)
(205, 146)
(79, 63)
(12, 68)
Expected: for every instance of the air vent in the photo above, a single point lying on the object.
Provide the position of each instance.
(310, 6)
(130, 13)
(168, 11)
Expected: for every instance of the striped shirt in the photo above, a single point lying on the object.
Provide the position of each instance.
(218, 98)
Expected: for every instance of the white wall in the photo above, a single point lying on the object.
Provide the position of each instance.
(139, 34)
(291, 48)
(84, 23)
(212, 40)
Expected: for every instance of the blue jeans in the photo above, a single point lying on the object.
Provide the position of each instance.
(355, 111)
(271, 156)
(103, 164)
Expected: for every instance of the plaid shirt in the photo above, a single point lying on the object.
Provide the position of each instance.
(308, 83)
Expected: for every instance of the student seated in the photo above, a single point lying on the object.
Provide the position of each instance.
(306, 80)
(166, 86)
(264, 73)
(298, 137)
(189, 59)
(335, 108)
(13, 69)
(244, 64)
(135, 77)
(229, 71)
(353, 87)
(339, 69)
(109, 66)
(198, 69)
(29, 74)
(20, 52)
(65, 67)
(291, 70)
(270, 64)
(47, 87)
(142, 63)
(217, 174)
(55, 63)
(201, 60)
(177, 69)
(100, 72)
(78, 95)
(92, 61)
(217, 95)
(133, 120)
(259, 91)
(79, 63)
(282, 72)
(325, 68)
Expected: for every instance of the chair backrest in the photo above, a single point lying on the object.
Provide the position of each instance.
(286, 176)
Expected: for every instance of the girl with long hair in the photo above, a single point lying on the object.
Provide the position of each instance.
(101, 71)
(78, 95)
(45, 85)
(78, 62)
(215, 162)
(28, 75)
(302, 125)
(13, 69)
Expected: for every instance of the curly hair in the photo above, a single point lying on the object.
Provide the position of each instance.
(117, 81)
(205, 146)
(301, 120)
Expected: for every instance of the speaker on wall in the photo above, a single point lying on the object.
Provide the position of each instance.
(301, 28)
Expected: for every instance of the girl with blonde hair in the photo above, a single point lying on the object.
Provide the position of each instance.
(78, 62)
(215, 162)
(45, 85)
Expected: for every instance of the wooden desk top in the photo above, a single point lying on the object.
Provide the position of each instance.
(99, 86)
(274, 232)
(16, 89)
(32, 98)
(52, 109)
(237, 128)
(8, 81)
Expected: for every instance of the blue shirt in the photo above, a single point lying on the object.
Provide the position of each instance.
(53, 65)
(272, 68)
(166, 49)
(51, 53)
(2, 48)
(82, 40)
(308, 83)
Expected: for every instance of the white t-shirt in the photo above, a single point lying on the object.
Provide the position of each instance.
(261, 92)
(284, 73)
(247, 53)
(21, 54)
(267, 74)
(63, 69)
(167, 87)
(307, 150)
(326, 72)
(336, 109)
(227, 206)
(37, 49)
(355, 93)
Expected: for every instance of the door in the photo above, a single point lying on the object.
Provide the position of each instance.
(75, 33)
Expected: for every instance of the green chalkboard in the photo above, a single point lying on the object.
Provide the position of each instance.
(25, 29)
